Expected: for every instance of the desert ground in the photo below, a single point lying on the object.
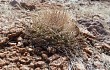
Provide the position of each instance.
(28, 41)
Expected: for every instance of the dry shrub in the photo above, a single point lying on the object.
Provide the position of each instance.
(55, 28)
(55, 20)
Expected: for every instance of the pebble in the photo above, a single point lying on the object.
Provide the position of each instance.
(3, 40)
(51, 50)
(2, 62)
(37, 58)
(39, 63)
(20, 44)
(85, 56)
(30, 49)
(88, 50)
(12, 44)
(97, 64)
(11, 66)
(80, 66)
(38, 68)
(98, 46)
(13, 59)
(12, 35)
(106, 46)
(58, 62)
(20, 39)
(53, 57)
(24, 67)
(105, 57)
(31, 65)
(2, 55)
(97, 57)
(22, 50)
(44, 56)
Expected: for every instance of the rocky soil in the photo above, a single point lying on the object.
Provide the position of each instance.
(18, 52)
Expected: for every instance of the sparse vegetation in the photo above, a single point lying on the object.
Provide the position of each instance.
(55, 28)
(42, 35)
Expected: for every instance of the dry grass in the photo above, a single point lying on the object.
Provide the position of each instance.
(55, 28)
(55, 20)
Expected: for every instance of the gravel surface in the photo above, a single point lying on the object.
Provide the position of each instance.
(18, 52)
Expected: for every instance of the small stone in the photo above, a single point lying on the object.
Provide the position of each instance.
(24, 67)
(97, 64)
(39, 63)
(45, 69)
(51, 50)
(5, 52)
(11, 66)
(2, 55)
(53, 57)
(88, 50)
(14, 59)
(105, 57)
(85, 56)
(58, 62)
(97, 57)
(20, 44)
(80, 66)
(44, 56)
(106, 46)
(26, 54)
(37, 58)
(2, 63)
(3, 1)
(98, 46)
(3, 40)
(27, 7)
(12, 44)
(4, 32)
(99, 69)
(20, 39)
(54, 68)
(24, 60)
(22, 50)
(12, 35)
(31, 65)
(15, 32)
(13, 3)
(30, 49)
(65, 65)
(15, 68)
(38, 68)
